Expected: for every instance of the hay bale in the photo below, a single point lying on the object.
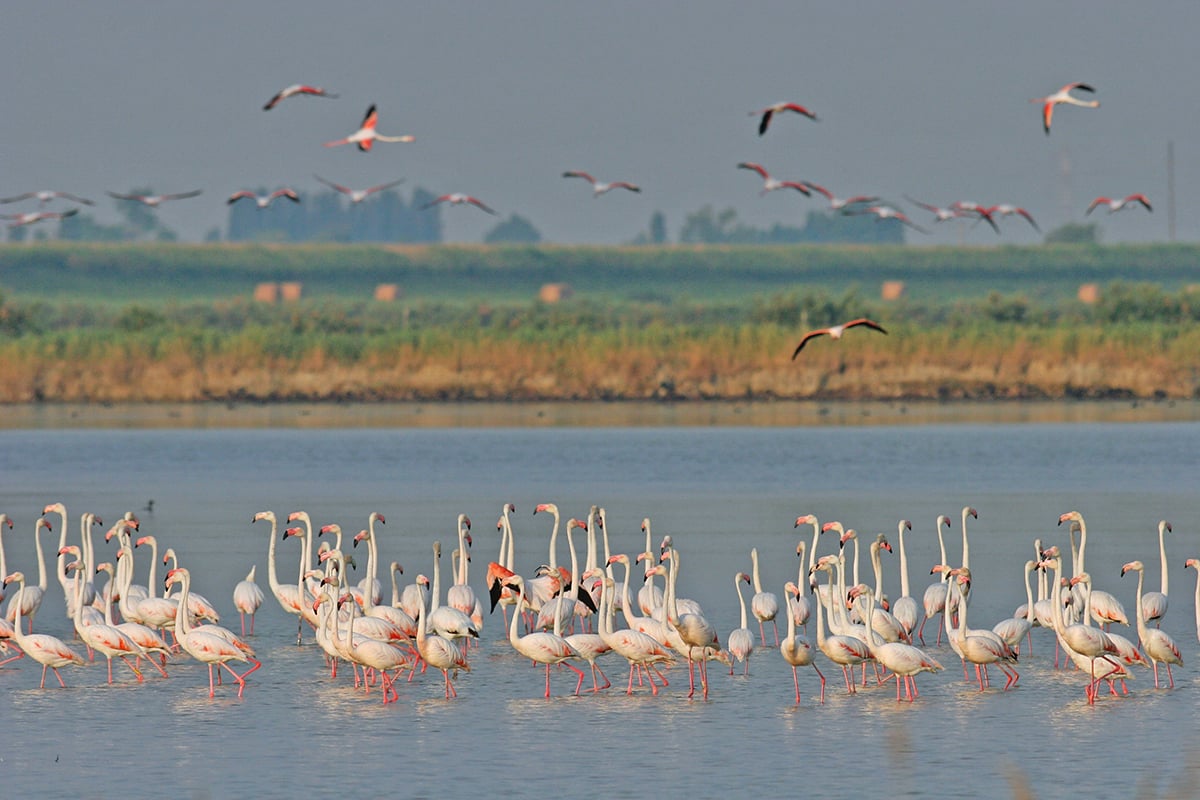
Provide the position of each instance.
(892, 290)
(290, 291)
(266, 293)
(554, 292)
(387, 292)
(1089, 293)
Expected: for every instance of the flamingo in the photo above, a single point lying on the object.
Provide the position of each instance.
(49, 651)
(438, 650)
(44, 196)
(264, 200)
(939, 214)
(934, 599)
(590, 646)
(1063, 95)
(366, 136)
(287, 595)
(206, 643)
(31, 598)
(639, 649)
(154, 200)
(379, 656)
(541, 646)
(141, 635)
(771, 184)
(1154, 604)
(458, 199)
(1156, 643)
(104, 638)
(32, 217)
(837, 203)
(796, 650)
(598, 187)
(1007, 209)
(358, 195)
(770, 111)
(740, 642)
(296, 89)
(1195, 564)
(247, 598)
(1082, 643)
(650, 596)
(649, 625)
(1019, 627)
(798, 606)
(836, 331)
(446, 620)
(905, 609)
(845, 651)
(688, 632)
(884, 212)
(1119, 203)
(982, 212)
(1106, 609)
(980, 647)
(764, 604)
(904, 660)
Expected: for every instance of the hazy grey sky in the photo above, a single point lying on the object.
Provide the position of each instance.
(924, 98)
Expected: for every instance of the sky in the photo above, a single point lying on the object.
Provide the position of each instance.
(924, 98)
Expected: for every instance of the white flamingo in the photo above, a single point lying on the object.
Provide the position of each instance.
(773, 184)
(358, 195)
(247, 598)
(1120, 203)
(1157, 644)
(599, 187)
(764, 605)
(740, 642)
(1154, 604)
(1063, 95)
(796, 650)
(296, 90)
(49, 651)
(904, 660)
(264, 200)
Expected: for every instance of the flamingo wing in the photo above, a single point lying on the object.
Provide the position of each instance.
(233, 198)
(799, 109)
(18, 197)
(1029, 218)
(625, 185)
(756, 167)
(290, 194)
(818, 188)
(765, 121)
(804, 341)
(1097, 202)
(1047, 114)
(384, 186)
(479, 204)
(574, 173)
(875, 326)
(798, 186)
(1139, 198)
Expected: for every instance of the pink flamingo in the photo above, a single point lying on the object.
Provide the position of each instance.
(541, 646)
(771, 184)
(598, 187)
(1119, 203)
(796, 650)
(154, 200)
(49, 651)
(837, 203)
(458, 199)
(885, 212)
(294, 90)
(366, 135)
(836, 332)
(1007, 209)
(46, 195)
(1158, 646)
(247, 598)
(904, 660)
(769, 112)
(641, 650)
(264, 200)
(204, 643)
(358, 195)
(740, 641)
(32, 217)
(1063, 95)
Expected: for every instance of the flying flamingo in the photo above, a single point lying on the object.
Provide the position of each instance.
(294, 90)
(204, 643)
(796, 650)
(1158, 646)
(458, 199)
(366, 136)
(770, 111)
(939, 214)
(982, 212)
(1063, 95)
(247, 598)
(599, 188)
(836, 331)
(1119, 203)
(49, 651)
(358, 195)
(885, 212)
(154, 200)
(264, 200)
(31, 217)
(46, 195)
(1007, 209)
(837, 203)
(771, 184)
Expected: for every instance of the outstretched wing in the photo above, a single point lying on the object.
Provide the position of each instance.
(804, 341)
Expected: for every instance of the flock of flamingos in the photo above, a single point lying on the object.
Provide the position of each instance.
(367, 134)
(611, 606)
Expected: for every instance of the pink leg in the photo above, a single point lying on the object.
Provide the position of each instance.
(242, 614)
(775, 628)
(19, 654)
(547, 680)
(240, 679)
(42, 685)
(136, 671)
(796, 682)
(212, 690)
(629, 689)
(814, 666)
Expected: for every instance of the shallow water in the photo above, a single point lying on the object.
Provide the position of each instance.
(718, 491)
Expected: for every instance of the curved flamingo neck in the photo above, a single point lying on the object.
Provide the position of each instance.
(737, 584)
(1162, 556)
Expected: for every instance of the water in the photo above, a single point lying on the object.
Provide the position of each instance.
(718, 491)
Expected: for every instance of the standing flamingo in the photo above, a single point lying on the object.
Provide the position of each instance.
(1106, 609)
(905, 609)
(770, 111)
(845, 651)
(204, 643)
(764, 604)
(740, 642)
(47, 650)
(541, 646)
(796, 650)
(439, 651)
(1154, 604)
(639, 649)
(31, 598)
(1158, 646)
(1195, 564)
(247, 598)
(687, 632)
(1019, 627)
(366, 135)
(1063, 95)
(904, 660)
(105, 639)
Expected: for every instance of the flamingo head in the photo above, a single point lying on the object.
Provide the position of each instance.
(422, 580)
(833, 525)
(15, 577)
(1070, 516)
(943, 520)
(509, 508)
(292, 532)
(744, 577)
(969, 510)
(375, 515)
(1083, 577)
(1138, 565)
(548, 507)
(4, 520)
(846, 536)
(800, 548)
(621, 558)
(174, 576)
(332, 527)
(360, 536)
(297, 515)
(71, 549)
(1163, 525)
(883, 543)
(1192, 562)
(904, 524)
(41, 523)
(267, 515)
(804, 519)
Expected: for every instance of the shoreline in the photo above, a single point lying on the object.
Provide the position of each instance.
(649, 414)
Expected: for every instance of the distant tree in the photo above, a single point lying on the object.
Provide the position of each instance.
(514, 229)
(84, 228)
(18, 234)
(137, 216)
(1074, 233)
(658, 228)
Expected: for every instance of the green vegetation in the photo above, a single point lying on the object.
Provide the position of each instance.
(177, 322)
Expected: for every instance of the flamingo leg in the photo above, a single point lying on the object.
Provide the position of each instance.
(547, 681)
(629, 688)
(212, 690)
(691, 678)
(1170, 677)
(136, 671)
(19, 654)
(775, 627)
(814, 666)
(239, 678)
(796, 682)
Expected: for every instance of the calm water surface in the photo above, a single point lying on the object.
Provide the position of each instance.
(718, 491)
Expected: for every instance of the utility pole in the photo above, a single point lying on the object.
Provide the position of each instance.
(1170, 191)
